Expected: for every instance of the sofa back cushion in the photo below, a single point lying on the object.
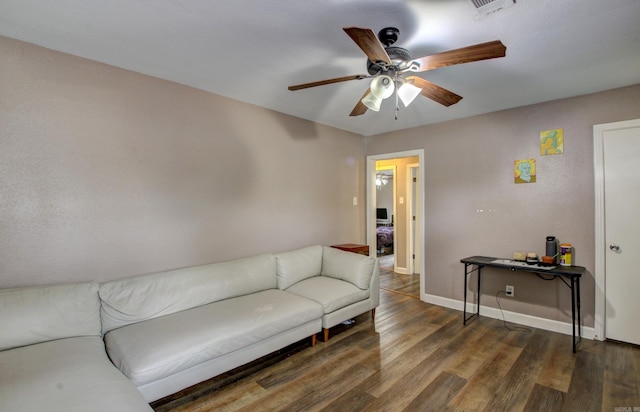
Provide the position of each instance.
(352, 267)
(149, 296)
(43, 313)
(297, 265)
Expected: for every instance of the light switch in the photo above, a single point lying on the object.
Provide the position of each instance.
(355, 200)
(401, 200)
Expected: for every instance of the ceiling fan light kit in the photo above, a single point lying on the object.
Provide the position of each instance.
(372, 102)
(388, 65)
(382, 87)
(407, 93)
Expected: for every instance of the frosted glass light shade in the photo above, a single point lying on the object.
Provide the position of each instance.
(408, 92)
(382, 87)
(372, 102)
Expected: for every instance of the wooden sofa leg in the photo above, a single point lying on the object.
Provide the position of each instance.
(326, 334)
(313, 340)
(373, 313)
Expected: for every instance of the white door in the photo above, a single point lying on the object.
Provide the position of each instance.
(621, 155)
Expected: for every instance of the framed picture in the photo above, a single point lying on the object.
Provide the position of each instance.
(524, 171)
(552, 142)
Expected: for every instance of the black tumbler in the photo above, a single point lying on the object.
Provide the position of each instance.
(552, 248)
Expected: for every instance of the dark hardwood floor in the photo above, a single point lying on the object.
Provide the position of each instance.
(419, 357)
(397, 282)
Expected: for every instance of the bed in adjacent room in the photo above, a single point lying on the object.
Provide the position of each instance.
(384, 236)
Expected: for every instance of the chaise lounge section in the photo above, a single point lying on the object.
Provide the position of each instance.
(52, 357)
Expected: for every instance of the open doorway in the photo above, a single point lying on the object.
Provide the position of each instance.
(404, 212)
(385, 215)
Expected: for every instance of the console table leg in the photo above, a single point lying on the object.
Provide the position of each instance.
(464, 305)
(479, 276)
(573, 313)
(466, 287)
(579, 310)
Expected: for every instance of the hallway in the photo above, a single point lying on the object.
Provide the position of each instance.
(408, 285)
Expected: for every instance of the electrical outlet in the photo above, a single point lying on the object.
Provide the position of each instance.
(510, 291)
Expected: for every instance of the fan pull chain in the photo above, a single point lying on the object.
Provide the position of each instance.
(396, 93)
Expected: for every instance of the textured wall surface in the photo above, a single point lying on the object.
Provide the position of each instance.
(106, 173)
(473, 207)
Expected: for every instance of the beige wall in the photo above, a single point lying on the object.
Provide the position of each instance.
(469, 168)
(106, 173)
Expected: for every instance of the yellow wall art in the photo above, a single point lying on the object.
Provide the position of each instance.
(552, 142)
(524, 171)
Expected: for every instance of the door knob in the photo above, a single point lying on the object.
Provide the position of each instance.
(614, 248)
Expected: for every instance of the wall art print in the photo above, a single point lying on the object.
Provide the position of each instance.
(524, 171)
(552, 142)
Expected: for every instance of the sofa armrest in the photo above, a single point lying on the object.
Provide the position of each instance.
(374, 285)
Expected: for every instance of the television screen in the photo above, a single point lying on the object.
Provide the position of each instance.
(381, 213)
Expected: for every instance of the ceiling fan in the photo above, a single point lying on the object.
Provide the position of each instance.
(391, 68)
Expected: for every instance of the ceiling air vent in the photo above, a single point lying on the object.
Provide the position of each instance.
(484, 7)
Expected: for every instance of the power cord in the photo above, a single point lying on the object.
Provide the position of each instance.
(504, 321)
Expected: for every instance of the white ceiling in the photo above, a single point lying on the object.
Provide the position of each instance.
(251, 50)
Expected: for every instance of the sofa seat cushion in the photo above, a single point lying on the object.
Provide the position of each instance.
(331, 293)
(156, 348)
(72, 374)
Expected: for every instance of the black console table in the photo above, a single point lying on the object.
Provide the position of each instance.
(570, 276)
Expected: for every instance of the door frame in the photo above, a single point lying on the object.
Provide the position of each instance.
(371, 204)
(413, 242)
(600, 241)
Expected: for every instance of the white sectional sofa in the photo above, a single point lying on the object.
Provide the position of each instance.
(167, 331)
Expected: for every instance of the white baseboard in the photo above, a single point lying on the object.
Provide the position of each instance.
(513, 317)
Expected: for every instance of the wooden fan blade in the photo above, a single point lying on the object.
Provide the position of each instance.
(328, 81)
(482, 51)
(369, 43)
(434, 92)
(360, 108)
